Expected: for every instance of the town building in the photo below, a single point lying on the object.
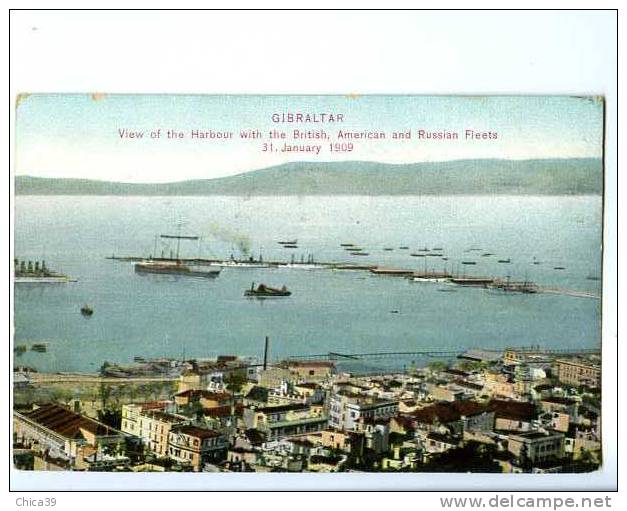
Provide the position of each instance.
(196, 446)
(154, 429)
(203, 398)
(311, 370)
(58, 433)
(286, 420)
(536, 447)
(579, 372)
(347, 410)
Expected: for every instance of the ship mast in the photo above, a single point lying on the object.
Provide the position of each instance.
(178, 239)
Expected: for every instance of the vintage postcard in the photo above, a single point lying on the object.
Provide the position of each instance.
(308, 284)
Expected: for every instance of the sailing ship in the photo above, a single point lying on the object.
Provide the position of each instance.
(174, 266)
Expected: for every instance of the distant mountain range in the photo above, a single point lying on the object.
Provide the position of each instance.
(574, 176)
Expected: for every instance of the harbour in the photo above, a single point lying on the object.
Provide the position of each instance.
(505, 285)
(168, 314)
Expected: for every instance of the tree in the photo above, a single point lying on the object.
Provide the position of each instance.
(104, 393)
(436, 365)
(235, 381)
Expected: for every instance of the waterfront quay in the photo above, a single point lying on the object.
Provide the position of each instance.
(514, 410)
(484, 282)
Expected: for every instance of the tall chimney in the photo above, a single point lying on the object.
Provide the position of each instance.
(265, 353)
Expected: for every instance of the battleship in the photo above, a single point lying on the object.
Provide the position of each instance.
(35, 273)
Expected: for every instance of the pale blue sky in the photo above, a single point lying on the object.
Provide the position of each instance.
(76, 135)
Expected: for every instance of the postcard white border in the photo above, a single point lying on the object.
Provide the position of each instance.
(443, 53)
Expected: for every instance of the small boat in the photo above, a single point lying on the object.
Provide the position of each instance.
(86, 310)
(241, 264)
(353, 267)
(294, 242)
(397, 272)
(433, 254)
(263, 291)
(403, 248)
(487, 254)
(437, 248)
(39, 348)
(472, 281)
(423, 249)
(347, 245)
(469, 262)
(430, 279)
(416, 255)
(505, 261)
(445, 259)
(447, 290)
(558, 268)
(290, 245)
(388, 249)
(359, 253)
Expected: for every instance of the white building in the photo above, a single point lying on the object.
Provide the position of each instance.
(346, 411)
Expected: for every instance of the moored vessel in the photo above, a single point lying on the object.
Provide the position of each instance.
(36, 273)
(174, 268)
(263, 291)
(86, 310)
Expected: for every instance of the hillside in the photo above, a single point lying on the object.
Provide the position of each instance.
(532, 177)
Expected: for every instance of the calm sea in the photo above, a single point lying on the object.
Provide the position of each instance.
(340, 311)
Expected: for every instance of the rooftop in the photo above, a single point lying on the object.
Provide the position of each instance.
(204, 394)
(439, 437)
(534, 435)
(513, 410)
(310, 363)
(223, 411)
(559, 400)
(307, 385)
(282, 408)
(448, 412)
(196, 432)
(66, 423)
(163, 416)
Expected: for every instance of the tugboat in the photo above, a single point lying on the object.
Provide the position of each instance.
(263, 291)
(86, 310)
